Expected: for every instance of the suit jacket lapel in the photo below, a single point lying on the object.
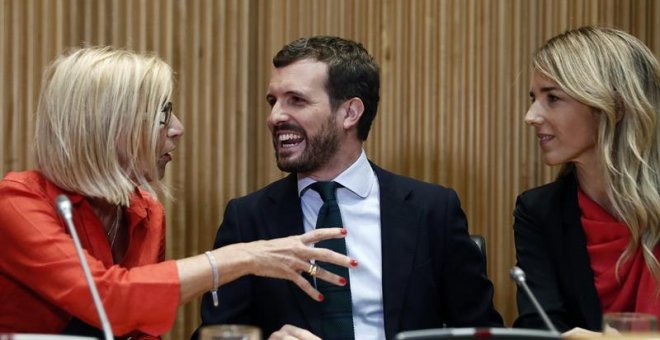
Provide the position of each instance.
(284, 218)
(577, 258)
(283, 212)
(399, 229)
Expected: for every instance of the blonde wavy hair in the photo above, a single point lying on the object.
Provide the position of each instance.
(615, 73)
(98, 122)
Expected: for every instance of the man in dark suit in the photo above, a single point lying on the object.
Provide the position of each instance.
(417, 267)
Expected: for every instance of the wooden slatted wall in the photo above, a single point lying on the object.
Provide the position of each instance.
(455, 77)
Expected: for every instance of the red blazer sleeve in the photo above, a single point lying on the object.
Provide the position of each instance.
(38, 253)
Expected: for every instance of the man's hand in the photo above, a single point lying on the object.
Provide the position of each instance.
(288, 332)
(578, 332)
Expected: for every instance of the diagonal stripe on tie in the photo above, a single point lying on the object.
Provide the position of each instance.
(336, 308)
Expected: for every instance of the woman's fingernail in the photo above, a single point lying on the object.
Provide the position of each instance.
(344, 231)
(354, 263)
(321, 297)
(342, 281)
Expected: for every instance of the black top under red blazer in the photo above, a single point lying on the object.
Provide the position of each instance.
(552, 250)
(432, 271)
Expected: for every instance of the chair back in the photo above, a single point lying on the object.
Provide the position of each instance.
(481, 244)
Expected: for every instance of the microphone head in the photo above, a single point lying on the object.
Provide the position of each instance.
(64, 206)
(517, 274)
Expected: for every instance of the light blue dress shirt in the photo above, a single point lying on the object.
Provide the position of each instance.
(359, 203)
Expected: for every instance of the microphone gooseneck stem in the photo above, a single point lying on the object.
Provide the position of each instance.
(65, 209)
(518, 276)
(537, 305)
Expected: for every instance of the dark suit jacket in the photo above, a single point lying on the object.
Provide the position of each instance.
(432, 270)
(551, 248)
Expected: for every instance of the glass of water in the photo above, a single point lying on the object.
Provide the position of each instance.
(230, 332)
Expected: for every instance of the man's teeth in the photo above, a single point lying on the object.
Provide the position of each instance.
(288, 136)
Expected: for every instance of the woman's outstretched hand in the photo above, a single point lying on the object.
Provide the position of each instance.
(289, 257)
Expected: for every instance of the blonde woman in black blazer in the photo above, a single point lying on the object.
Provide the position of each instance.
(589, 241)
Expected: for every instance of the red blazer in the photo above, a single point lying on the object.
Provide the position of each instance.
(42, 285)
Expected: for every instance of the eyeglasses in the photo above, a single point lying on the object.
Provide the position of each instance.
(166, 114)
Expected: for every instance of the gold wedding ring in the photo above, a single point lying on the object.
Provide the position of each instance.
(313, 269)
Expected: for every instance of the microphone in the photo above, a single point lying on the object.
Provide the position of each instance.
(65, 209)
(518, 276)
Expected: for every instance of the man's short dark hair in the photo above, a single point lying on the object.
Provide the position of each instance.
(352, 72)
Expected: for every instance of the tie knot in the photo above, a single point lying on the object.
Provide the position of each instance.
(326, 190)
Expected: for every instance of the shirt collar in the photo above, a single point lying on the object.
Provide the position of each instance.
(358, 178)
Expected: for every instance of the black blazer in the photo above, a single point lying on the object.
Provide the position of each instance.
(432, 271)
(552, 250)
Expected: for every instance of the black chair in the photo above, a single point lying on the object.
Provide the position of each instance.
(481, 244)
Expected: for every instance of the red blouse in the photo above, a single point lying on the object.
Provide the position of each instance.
(42, 284)
(636, 289)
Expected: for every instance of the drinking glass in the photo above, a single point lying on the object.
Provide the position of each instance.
(230, 332)
(629, 323)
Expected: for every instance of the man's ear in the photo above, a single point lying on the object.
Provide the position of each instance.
(352, 110)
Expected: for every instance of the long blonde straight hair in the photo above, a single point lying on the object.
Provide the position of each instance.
(615, 73)
(97, 123)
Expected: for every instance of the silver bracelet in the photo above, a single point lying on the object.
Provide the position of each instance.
(216, 277)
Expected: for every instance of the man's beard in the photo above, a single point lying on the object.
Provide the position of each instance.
(318, 151)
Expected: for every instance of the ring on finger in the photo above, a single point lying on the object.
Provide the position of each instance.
(313, 269)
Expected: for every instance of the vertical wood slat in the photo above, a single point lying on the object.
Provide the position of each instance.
(454, 81)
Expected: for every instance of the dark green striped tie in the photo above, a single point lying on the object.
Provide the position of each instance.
(336, 308)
